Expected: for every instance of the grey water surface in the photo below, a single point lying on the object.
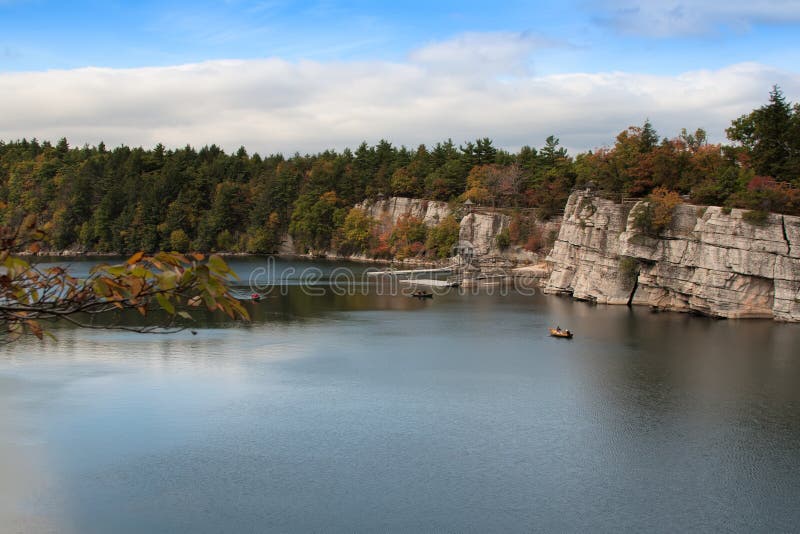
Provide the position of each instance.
(373, 412)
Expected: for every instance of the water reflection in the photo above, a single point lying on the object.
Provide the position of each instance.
(380, 412)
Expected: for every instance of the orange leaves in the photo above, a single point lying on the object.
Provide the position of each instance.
(169, 281)
(135, 258)
(35, 328)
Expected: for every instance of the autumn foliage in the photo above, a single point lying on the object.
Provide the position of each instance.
(169, 282)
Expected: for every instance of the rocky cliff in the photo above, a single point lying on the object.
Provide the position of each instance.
(479, 228)
(388, 212)
(708, 261)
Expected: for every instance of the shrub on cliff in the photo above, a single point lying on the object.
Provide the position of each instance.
(756, 217)
(443, 237)
(628, 269)
(503, 239)
(765, 194)
(655, 215)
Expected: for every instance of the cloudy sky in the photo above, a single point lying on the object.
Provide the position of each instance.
(279, 76)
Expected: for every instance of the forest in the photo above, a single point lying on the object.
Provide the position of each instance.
(123, 199)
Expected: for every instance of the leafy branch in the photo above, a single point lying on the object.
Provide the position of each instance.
(171, 282)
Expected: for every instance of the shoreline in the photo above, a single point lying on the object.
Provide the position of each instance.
(356, 258)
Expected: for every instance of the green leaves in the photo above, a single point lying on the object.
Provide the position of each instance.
(217, 265)
(167, 280)
(165, 303)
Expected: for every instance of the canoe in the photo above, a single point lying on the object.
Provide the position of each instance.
(422, 295)
(566, 334)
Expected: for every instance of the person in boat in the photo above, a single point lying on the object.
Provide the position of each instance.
(558, 329)
(256, 297)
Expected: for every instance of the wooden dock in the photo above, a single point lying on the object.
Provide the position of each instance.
(430, 283)
(392, 272)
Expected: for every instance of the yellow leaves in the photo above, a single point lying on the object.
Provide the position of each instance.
(167, 280)
(15, 266)
(217, 265)
(116, 270)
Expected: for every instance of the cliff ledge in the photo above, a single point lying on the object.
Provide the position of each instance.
(709, 261)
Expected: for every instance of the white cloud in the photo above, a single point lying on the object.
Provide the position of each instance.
(480, 53)
(273, 105)
(662, 18)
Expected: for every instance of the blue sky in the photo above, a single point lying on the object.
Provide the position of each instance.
(577, 35)
(517, 55)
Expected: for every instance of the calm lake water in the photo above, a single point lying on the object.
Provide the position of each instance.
(369, 412)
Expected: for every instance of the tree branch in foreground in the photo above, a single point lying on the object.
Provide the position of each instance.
(168, 281)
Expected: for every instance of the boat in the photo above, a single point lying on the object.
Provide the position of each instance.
(557, 332)
(422, 295)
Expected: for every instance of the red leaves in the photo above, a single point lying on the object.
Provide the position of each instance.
(762, 183)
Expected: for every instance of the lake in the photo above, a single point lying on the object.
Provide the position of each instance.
(367, 411)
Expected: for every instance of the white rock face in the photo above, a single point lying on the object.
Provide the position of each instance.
(708, 262)
(479, 228)
(388, 212)
(287, 244)
(585, 256)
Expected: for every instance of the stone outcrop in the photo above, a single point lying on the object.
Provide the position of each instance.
(481, 230)
(478, 228)
(709, 261)
(388, 212)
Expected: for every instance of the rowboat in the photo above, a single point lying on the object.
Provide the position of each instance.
(420, 295)
(557, 332)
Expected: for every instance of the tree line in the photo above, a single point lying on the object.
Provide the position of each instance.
(129, 199)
